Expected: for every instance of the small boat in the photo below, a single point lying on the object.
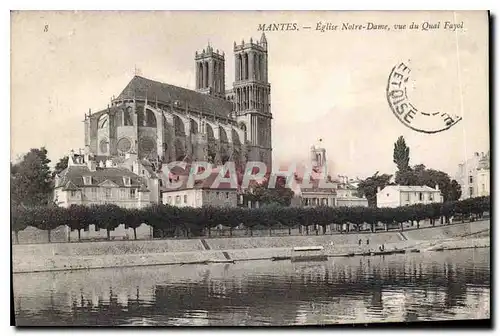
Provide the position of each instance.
(309, 258)
(399, 251)
(221, 261)
(382, 252)
(203, 262)
(308, 253)
(280, 258)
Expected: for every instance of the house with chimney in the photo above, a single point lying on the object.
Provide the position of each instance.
(88, 180)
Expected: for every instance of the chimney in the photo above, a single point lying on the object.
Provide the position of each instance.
(91, 165)
(437, 186)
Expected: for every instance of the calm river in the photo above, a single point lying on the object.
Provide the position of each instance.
(414, 287)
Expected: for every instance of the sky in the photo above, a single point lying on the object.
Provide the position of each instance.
(329, 85)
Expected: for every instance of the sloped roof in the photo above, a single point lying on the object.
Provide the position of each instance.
(346, 186)
(411, 188)
(73, 175)
(317, 187)
(167, 93)
(149, 167)
(114, 159)
(315, 181)
(70, 186)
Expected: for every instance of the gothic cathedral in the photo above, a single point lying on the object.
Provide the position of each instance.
(161, 122)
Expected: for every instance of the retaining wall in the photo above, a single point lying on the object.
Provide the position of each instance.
(291, 241)
(447, 231)
(84, 255)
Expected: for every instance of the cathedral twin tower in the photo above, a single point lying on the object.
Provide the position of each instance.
(251, 90)
(163, 122)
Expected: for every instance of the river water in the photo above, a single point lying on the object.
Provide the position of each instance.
(407, 287)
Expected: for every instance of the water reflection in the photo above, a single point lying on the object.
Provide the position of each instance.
(433, 286)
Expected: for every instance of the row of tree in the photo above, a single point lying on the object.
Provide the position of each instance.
(188, 221)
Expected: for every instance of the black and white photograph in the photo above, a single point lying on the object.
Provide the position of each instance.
(250, 168)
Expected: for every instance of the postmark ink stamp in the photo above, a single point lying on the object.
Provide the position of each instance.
(406, 112)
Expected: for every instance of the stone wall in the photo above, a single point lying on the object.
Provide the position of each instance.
(86, 255)
(447, 231)
(120, 233)
(291, 241)
(32, 235)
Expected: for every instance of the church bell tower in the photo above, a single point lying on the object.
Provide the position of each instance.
(210, 72)
(252, 97)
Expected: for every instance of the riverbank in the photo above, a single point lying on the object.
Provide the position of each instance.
(90, 255)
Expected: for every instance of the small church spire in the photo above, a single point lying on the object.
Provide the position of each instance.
(263, 39)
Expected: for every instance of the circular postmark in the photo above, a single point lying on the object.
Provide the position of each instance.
(406, 112)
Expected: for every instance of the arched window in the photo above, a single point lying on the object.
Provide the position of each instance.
(103, 121)
(103, 145)
(223, 135)
(243, 127)
(193, 126)
(179, 126)
(235, 137)
(150, 119)
(180, 151)
(128, 119)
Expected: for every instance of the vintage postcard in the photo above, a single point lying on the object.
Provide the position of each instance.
(250, 168)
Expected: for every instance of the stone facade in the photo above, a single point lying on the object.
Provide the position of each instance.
(197, 198)
(87, 182)
(164, 123)
(474, 176)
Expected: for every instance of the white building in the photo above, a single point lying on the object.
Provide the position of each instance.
(86, 181)
(393, 196)
(202, 193)
(474, 176)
